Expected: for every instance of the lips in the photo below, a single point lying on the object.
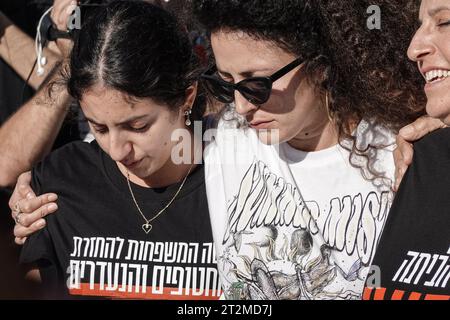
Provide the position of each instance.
(131, 164)
(435, 74)
(261, 124)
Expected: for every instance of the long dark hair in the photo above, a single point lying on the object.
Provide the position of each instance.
(136, 48)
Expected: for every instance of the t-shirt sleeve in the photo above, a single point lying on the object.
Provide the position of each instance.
(413, 250)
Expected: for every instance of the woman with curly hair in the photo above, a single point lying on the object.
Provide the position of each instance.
(300, 169)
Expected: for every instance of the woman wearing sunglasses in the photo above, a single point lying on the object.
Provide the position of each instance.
(413, 256)
(299, 170)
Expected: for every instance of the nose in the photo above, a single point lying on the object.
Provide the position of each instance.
(119, 147)
(421, 46)
(243, 106)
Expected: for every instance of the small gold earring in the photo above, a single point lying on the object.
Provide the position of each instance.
(327, 106)
(187, 113)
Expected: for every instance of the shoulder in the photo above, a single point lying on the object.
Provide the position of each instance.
(434, 144)
(430, 168)
(418, 219)
(431, 161)
(70, 162)
(72, 153)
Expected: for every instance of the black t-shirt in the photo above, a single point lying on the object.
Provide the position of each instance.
(95, 245)
(414, 250)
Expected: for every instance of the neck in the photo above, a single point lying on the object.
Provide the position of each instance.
(170, 173)
(322, 135)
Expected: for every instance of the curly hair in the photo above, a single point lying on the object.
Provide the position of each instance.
(365, 73)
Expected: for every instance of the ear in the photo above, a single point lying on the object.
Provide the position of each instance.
(191, 94)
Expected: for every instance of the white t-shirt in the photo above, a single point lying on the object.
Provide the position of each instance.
(290, 224)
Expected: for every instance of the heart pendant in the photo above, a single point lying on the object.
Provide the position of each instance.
(147, 227)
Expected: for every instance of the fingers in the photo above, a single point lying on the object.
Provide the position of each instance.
(399, 174)
(36, 203)
(26, 220)
(21, 232)
(32, 211)
(22, 190)
(404, 153)
(61, 12)
(62, 9)
(30, 223)
(403, 156)
(420, 128)
(67, 12)
(20, 241)
(55, 14)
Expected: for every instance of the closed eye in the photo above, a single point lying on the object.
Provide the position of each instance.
(100, 130)
(225, 77)
(138, 129)
(443, 24)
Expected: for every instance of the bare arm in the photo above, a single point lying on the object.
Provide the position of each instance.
(30, 133)
(17, 50)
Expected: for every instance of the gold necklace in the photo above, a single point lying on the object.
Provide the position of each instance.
(147, 227)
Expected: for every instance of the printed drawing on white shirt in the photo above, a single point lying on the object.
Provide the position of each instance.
(289, 249)
(290, 224)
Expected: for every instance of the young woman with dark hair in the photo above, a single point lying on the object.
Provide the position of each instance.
(132, 222)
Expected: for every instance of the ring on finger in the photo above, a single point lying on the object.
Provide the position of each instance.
(16, 208)
(17, 217)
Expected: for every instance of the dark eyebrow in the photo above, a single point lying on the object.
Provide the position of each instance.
(93, 122)
(119, 124)
(435, 11)
(244, 74)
